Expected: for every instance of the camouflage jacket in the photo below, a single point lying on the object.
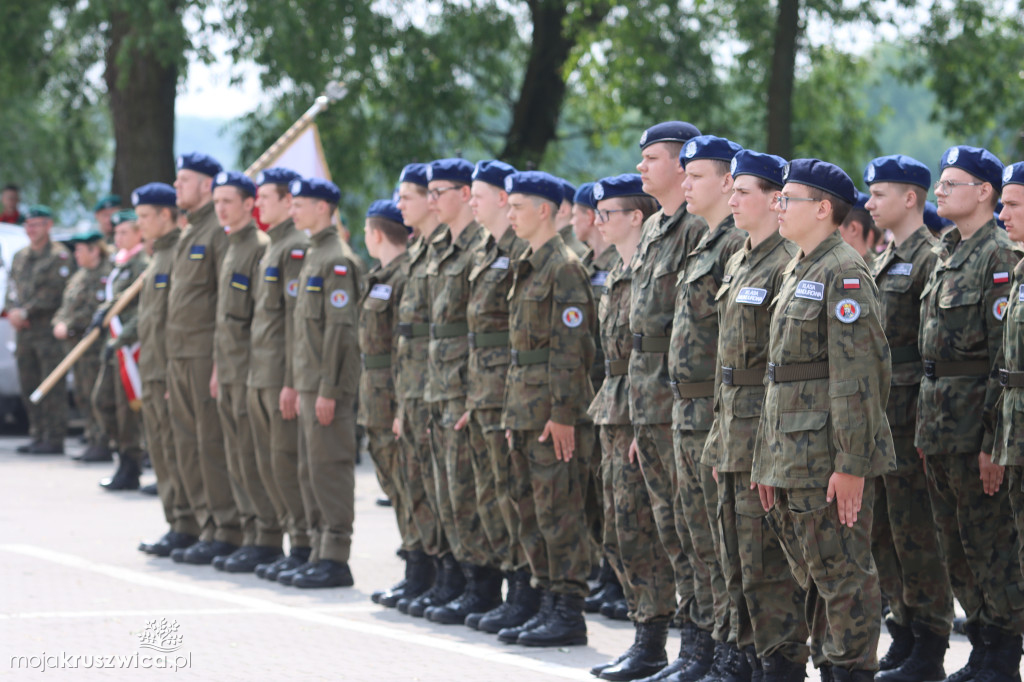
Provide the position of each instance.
(326, 319)
(119, 279)
(377, 343)
(152, 315)
(962, 309)
(448, 284)
(611, 404)
(36, 285)
(192, 304)
(414, 317)
(599, 268)
(236, 300)
(751, 281)
(487, 315)
(85, 292)
(582, 251)
(659, 258)
(276, 288)
(551, 326)
(826, 312)
(901, 273)
(1009, 443)
(693, 350)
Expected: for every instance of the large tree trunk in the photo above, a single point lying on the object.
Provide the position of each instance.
(141, 108)
(780, 82)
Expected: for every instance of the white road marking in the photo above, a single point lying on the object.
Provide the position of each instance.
(251, 604)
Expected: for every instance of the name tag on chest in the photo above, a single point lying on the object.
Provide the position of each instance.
(751, 295)
(814, 291)
(599, 278)
(500, 263)
(1020, 295)
(901, 269)
(381, 291)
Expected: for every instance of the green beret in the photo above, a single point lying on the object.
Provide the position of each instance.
(108, 201)
(125, 216)
(39, 211)
(86, 237)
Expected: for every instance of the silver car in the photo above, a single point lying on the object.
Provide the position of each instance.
(12, 240)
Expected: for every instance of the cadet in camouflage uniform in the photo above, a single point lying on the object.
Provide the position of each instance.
(823, 429)
(85, 292)
(768, 603)
(156, 207)
(667, 237)
(117, 408)
(271, 394)
(326, 375)
(386, 240)
(551, 323)
(233, 198)
(962, 312)
(565, 223)
(410, 382)
(648, 591)
(692, 365)
(904, 541)
(476, 573)
(34, 289)
(487, 316)
(191, 320)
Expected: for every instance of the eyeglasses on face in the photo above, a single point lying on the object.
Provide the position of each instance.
(436, 193)
(604, 215)
(782, 201)
(947, 185)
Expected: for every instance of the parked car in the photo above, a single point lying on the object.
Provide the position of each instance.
(12, 412)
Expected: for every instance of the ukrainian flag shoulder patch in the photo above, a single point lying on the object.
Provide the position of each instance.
(239, 281)
(161, 280)
(315, 284)
(197, 252)
(271, 274)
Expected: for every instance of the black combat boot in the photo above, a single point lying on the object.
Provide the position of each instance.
(126, 477)
(728, 665)
(298, 556)
(473, 619)
(702, 655)
(482, 593)
(687, 643)
(899, 650)
(510, 635)
(924, 664)
(1002, 656)
(778, 668)
(565, 626)
(646, 656)
(419, 576)
(974, 661)
(448, 585)
(522, 604)
(397, 587)
(608, 589)
(847, 675)
(406, 601)
(756, 670)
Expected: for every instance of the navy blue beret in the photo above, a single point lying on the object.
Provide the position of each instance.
(537, 183)
(316, 188)
(235, 179)
(821, 175)
(453, 170)
(388, 209)
(585, 195)
(155, 194)
(200, 163)
(898, 168)
(981, 163)
(766, 166)
(862, 199)
(625, 185)
(493, 172)
(932, 220)
(416, 173)
(568, 190)
(276, 176)
(708, 147)
(669, 131)
(1014, 174)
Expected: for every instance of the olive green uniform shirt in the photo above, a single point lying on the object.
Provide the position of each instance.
(192, 307)
(235, 303)
(152, 315)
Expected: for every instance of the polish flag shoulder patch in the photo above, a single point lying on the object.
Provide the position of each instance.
(298, 254)
(851, 282)
(341, 270)
(1000, 277)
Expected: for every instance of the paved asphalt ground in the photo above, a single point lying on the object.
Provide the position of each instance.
(74, 590)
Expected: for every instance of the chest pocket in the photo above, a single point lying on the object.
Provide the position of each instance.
(536, 312)
(197, 265)
(701, 286)
(801, 338)
(665, 264)
(961, 319)
(897, 284)
(1017, 304)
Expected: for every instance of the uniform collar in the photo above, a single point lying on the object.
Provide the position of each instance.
(168, 240)
(324, 234)
(958, 250)
(539, 258)
(201, 214)
(281, 230)
(712, 236)
(507, 241)
(758, 253)
(910, 245)
(244, 233)
(805, 260)
(386, 272)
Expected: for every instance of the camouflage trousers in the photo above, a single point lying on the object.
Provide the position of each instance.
(199, 449)
(419, 476)
(657, 465)
(548, 494)
(697, 494)
(833, 563)
(498, 518)
(277, 455)
(456, 485)
(769, 603)
(979, 540)
(86, 370)
(631, 543)
(911, 572)
(1015, 484)
(260, 521)
(593, 499)
(121, 421)
(389, 464)
(327, 458)
(38, 354)
(156, 420)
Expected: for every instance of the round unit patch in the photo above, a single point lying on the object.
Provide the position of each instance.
(572, 317)
(847, 310)
(999, 308)
(64, 272)
(293, 288)
(101, 296)
(339, 298)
